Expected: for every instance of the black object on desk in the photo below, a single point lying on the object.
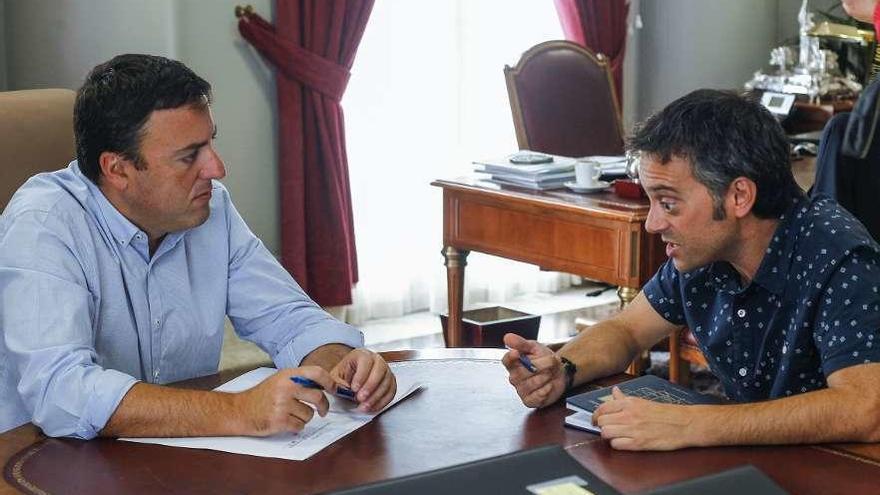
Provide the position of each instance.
(523, 472)
(736, 481)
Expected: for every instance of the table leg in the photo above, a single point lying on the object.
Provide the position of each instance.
(643, 360)
(456, 260)
(626, 295)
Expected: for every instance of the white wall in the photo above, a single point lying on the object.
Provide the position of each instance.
(208, 41)
(631, 73)
(54, 43)
(690, 44)
(2, 45)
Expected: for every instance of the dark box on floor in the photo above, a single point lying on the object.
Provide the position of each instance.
(486, 327)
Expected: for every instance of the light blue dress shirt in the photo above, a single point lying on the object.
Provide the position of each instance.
(85, 312)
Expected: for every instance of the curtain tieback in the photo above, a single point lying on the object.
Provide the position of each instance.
(295, 62)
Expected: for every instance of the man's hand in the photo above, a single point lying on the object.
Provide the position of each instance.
(541, 388)
(862, 10)
(369, 376)
(631, 423)
(278, 404)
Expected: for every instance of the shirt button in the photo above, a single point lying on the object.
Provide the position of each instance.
(743, 371)
(741, 313)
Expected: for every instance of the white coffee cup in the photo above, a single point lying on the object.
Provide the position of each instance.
(587, 172)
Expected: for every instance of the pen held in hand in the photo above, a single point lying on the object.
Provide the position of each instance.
(345, 393)
(527, 363)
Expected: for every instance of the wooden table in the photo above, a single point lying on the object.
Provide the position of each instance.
(597, 236)
(466, 411)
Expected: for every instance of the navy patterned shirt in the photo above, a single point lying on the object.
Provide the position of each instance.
(811, 309)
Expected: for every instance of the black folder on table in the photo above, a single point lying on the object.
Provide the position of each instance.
(524, 472)
(744, 479)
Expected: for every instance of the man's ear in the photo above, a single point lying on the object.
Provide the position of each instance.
(741, 196)
(114, 170)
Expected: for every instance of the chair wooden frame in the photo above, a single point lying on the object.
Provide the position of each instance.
(512, 73)
(681, 354)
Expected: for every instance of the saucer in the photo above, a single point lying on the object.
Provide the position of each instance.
(598, 186)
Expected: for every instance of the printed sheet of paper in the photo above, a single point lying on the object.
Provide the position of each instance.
(342, 419)
(582, 420)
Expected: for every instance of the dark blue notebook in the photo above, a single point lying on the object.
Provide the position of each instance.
(647, 387)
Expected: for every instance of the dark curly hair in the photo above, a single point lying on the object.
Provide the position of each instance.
(724, 136)
(118, 97)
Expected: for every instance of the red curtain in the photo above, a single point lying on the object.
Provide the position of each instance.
(599, 25)
(312, 47)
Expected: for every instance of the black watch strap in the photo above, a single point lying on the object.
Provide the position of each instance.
(570, 369)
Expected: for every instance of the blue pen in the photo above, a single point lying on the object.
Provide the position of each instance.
(345, 393)
(527, 363)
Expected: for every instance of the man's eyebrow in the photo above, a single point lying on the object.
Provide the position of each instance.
(195, 146)
(662, 188)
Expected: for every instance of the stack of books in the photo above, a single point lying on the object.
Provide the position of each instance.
(553, 173)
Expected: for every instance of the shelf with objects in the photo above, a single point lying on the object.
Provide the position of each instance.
(822, 75)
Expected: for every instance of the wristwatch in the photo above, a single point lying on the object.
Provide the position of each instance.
(570, 369)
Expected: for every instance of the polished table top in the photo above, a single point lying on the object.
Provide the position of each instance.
(466, 411)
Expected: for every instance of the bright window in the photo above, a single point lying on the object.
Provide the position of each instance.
(427, 96)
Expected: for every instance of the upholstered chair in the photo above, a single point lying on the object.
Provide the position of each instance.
(36, 135)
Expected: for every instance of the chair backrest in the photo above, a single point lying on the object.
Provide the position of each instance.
(848, 163)
(563, 101)
(36, 135)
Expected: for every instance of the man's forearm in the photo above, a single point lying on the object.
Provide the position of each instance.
(826, 415)
(601, 350)
(156, 411)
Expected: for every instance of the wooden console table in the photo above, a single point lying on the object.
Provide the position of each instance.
(598, 236)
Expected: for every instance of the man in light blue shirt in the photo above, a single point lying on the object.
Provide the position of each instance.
(116, 274)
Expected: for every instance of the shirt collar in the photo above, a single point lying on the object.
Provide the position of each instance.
(121, 228)
(777, 258)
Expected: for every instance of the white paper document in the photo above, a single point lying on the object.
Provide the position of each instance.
(342, 419)
(581, 419)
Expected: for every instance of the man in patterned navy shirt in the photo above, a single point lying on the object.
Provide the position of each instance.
(781, 292)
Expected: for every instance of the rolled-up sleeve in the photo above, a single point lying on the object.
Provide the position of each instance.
(48, 331)
(267, 306)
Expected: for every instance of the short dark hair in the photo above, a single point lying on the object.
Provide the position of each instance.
(118, 97)
(724, 136)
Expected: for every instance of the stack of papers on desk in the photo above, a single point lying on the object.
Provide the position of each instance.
(551, 175)
(540, 176)
(342, 419)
